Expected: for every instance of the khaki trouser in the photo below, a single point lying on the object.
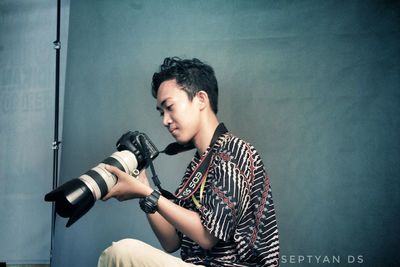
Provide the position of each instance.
(135, 253)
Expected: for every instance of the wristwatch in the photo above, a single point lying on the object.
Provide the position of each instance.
(149, 204)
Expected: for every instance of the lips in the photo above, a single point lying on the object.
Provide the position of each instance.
(173, 130)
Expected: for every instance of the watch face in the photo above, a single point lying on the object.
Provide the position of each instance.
(149, 203)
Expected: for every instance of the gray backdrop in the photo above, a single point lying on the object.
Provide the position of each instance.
(27, 64)
(312, 84)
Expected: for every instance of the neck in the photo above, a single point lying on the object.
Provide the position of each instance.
(203, 139)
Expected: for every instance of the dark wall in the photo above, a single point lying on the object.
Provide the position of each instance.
(314, 85)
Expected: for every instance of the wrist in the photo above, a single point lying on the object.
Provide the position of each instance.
(149, 204)
(147, 191)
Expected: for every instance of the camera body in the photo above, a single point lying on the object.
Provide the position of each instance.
(76, 197)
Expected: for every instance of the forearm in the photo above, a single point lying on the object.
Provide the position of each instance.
(165, 232)
(186, 221)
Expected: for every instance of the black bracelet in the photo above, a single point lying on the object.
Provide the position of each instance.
(149, 204)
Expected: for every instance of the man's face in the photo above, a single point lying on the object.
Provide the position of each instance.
(180, 114)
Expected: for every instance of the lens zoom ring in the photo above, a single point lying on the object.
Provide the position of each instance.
(99, 181)
(113, 162)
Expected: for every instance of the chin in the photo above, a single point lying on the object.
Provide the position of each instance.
(182, 140)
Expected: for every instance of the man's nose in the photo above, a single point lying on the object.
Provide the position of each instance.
(166, 119)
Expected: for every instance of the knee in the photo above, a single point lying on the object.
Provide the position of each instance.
(125, 246)
(123, 251)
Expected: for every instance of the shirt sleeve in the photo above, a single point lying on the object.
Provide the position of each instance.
(224, 200)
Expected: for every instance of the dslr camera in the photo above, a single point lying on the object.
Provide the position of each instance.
(74, 198)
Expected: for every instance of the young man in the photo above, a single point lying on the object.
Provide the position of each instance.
(223, 214)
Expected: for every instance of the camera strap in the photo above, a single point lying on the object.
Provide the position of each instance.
(199, 174)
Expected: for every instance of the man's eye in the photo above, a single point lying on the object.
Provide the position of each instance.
(169, 108)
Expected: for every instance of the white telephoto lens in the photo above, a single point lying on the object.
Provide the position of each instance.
(100, 181)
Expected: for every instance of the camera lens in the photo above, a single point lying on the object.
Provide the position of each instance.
(100, 181)
(77, 196)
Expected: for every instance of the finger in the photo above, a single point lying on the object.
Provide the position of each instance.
(108, 196)
(113, 170)
(143, 178)
(142, 175)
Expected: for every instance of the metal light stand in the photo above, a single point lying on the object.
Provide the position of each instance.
(56, 143)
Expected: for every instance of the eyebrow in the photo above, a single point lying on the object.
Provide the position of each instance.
(159, 107)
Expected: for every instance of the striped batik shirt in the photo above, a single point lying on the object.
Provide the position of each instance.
(236, 207)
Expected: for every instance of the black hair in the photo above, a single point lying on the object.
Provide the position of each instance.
(191, 74)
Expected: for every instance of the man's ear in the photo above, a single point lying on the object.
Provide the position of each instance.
(202, 97)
